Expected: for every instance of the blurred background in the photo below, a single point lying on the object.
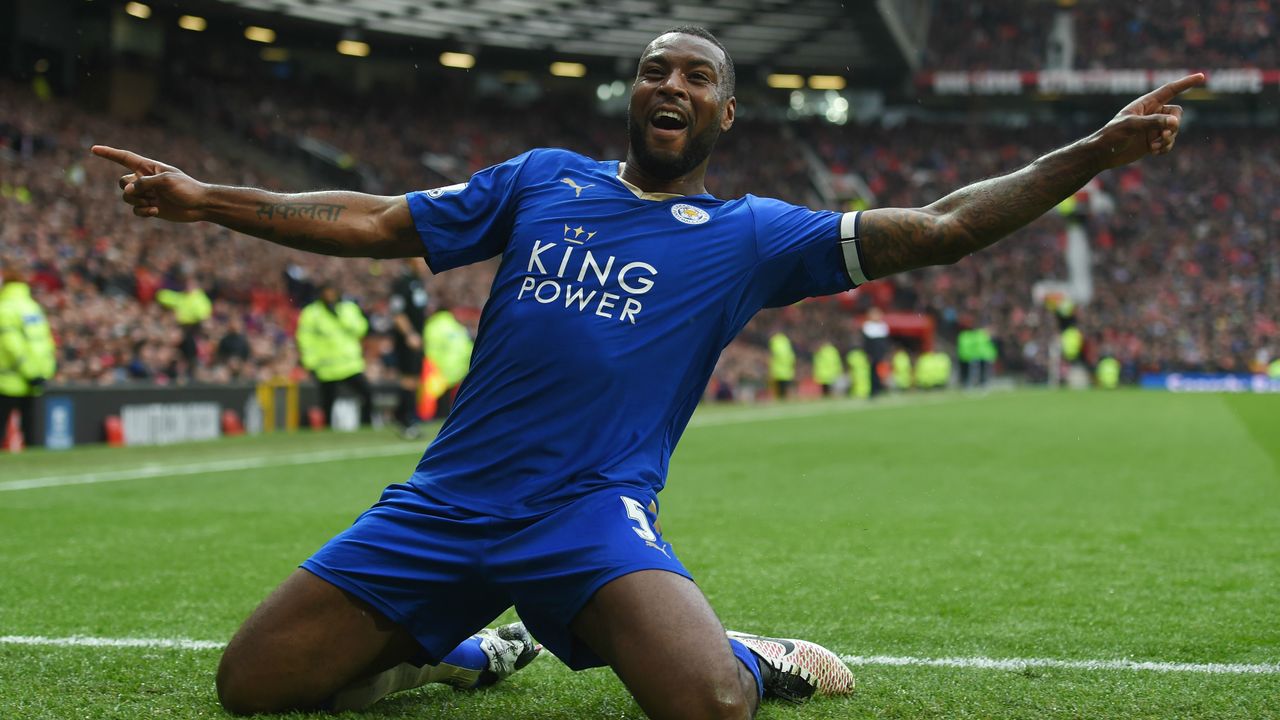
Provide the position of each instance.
(1164, 275)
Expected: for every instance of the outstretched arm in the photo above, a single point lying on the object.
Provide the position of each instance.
(894, 240)
(330, 223)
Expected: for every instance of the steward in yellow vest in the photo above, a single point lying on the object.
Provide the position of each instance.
(827, 367)
(933, 370)
(782, 365)
(1108, 373)
(901, 363)
(190, 308)
(329, 334)
(1072, 343)
(27, 353)
(859, 373)
(967, 342)
(448, 347)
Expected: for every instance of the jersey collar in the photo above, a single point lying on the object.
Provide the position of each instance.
(635, 190)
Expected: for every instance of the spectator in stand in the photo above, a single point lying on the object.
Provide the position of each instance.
(233, 348)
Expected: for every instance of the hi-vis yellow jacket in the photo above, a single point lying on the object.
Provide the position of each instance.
(27, 353)
(190, 307)
(329, 340)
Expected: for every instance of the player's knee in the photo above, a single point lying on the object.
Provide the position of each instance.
(231, 690)
(733, 706)
(237, 692)
(727, 702)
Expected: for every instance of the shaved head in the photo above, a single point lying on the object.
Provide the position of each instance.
(728, 74)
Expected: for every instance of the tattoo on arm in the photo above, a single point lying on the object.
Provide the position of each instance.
(327, 212)
(322, 212)
(974, 217)
(329, 222)
(894, 240)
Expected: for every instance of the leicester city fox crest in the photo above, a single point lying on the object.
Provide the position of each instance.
(689, 215)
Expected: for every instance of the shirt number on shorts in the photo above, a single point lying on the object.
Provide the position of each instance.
(636, 512)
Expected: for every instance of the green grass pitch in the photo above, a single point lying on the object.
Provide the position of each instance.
(1065, 526)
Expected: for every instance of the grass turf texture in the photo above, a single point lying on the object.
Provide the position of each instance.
(1074, 526)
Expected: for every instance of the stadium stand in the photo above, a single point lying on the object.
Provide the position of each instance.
(1182, 262)
(1018, 35)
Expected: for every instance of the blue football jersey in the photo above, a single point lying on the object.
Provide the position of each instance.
(604, 322)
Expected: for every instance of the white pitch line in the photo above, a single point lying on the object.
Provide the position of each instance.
(986, 663)
(85, 641)
(212, 466)
(154, 470)
(979, 663)
(820, 408)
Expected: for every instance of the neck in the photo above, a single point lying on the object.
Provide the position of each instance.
(691, 183)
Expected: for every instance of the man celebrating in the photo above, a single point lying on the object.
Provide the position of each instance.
(618, 287)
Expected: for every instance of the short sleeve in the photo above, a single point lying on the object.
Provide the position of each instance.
(468, 222)
(801, 252)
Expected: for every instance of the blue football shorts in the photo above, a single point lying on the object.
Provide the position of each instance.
(443, 573)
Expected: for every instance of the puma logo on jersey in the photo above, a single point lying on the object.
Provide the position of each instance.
(577, 189)
(660, 548)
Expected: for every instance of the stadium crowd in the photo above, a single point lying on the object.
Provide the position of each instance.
(1015, 34)
(1186, 276)
(1183, 271)
(97, 270)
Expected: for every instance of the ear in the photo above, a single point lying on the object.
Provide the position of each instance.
(726, 119)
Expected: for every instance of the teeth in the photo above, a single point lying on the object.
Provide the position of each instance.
(668, 114)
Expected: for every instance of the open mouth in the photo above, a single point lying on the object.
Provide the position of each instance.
(668, 120)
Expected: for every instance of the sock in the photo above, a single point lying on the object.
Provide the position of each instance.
(748, 658)
(461, 668)
(467, 656)
(365, 692)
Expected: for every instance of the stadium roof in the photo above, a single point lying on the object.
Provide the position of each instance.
(789, 34)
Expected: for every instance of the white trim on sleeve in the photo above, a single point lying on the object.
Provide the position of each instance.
(850, 246)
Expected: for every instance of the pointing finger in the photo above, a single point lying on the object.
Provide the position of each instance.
(1169, 91)
(131, 160)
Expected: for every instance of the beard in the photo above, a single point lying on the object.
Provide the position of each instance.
(697, 148)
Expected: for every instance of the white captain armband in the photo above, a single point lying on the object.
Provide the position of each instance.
(851, 246)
